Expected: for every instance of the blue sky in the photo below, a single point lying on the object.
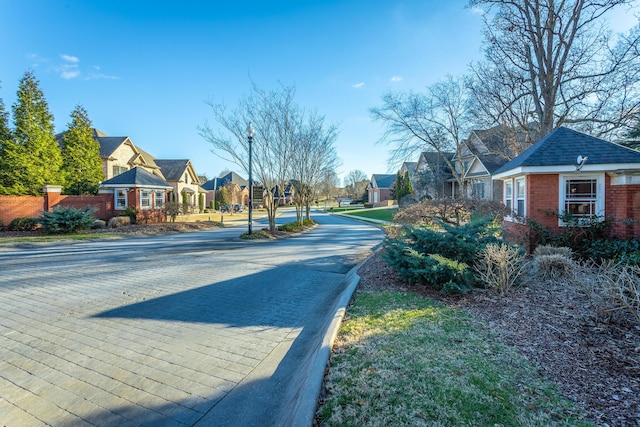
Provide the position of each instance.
(144, 69)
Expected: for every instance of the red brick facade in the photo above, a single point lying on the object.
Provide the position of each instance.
(622, 203)
(12, 207)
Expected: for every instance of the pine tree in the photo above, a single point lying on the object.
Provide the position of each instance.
(81, 161)
(35, 156)
(5, 140)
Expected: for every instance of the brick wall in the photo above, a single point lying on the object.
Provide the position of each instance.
(623, 202)
(542, 199)
(12, 207)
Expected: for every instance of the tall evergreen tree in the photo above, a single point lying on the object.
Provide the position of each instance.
(5, 139)
(35, 157)
(81, 161)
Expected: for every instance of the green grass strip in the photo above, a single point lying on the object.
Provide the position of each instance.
(381, 214)
(404, 360)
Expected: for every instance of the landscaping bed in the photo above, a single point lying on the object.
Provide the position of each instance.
(597, 365)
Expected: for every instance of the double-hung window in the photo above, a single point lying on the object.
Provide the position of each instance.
(582, 196)
(478, 189)
(520, 197)
(508, 195)
(121, 199)
(145, 199)
(158, 201)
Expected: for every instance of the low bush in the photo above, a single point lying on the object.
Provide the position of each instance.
(65, 220)
(456, 212)
(500, 266)
(615, 292)
(119, 221)
(1, 224)
(132, 213)
(294, 227)
(22, 224)
(555, 267)
(439, 258)
(553, 250)
(431, 270)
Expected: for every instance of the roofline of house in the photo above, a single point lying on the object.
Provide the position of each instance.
(526, 170)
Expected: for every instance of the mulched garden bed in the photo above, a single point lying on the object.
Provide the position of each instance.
(595, 364)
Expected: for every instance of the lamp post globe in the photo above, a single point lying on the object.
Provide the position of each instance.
(250, 132)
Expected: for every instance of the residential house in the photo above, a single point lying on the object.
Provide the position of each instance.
(431, 176)
(240, 186)
(139, 189)
(181, 175)
(480, 155)
(379, 189)
(571, 172)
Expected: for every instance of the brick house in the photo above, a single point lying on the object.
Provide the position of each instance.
(571, 172)
(181, 175)
(379, 189)
(139, 189)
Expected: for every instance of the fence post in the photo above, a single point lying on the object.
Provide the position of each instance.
(52, 196)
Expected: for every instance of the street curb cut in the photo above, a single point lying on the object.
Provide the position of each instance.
(304, 413)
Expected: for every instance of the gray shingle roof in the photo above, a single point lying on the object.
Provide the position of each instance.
(173, 170)
(562, 147)
(384, 180)
(136, 177)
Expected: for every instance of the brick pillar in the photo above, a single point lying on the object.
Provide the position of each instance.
(52, 196)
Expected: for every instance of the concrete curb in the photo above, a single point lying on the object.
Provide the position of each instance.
(304, 412)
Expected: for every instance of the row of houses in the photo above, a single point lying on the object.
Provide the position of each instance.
(133, 178)
(564, 172)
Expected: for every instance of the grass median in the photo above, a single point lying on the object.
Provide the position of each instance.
(403, 359)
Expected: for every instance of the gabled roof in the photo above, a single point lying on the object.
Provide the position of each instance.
(173, 170)
(211, 185)
(383, 180)
(233, 177)
(562, 147)
(136, 177)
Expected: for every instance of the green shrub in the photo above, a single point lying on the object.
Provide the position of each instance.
(64, 220)
(293, 227)
(439, 258)
(431, 270)
(1, 223)
(626, 251)
(22, 224)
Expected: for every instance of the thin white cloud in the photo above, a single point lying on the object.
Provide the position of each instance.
(396, 79)
(96, 76)
(477, 10)
(70, 58)
(70, 74)
(358, 85)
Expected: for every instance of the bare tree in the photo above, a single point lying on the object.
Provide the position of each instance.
(273, 115)
(356, 183)
(313, 156)
(435, 121)
(329, 183)
(555, 62)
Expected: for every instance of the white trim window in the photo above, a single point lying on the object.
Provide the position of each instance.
(582, 196)
(145, 199)
(120, 195)
(508, 194)
(479, 189)
(158, 200)
(520, 197)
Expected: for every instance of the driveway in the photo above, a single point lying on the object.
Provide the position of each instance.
(182, 330)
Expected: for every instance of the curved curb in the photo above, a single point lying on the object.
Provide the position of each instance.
(304, 413)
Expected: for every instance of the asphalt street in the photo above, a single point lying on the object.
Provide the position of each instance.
(193, 329)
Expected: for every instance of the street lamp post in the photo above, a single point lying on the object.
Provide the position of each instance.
(250, 132)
